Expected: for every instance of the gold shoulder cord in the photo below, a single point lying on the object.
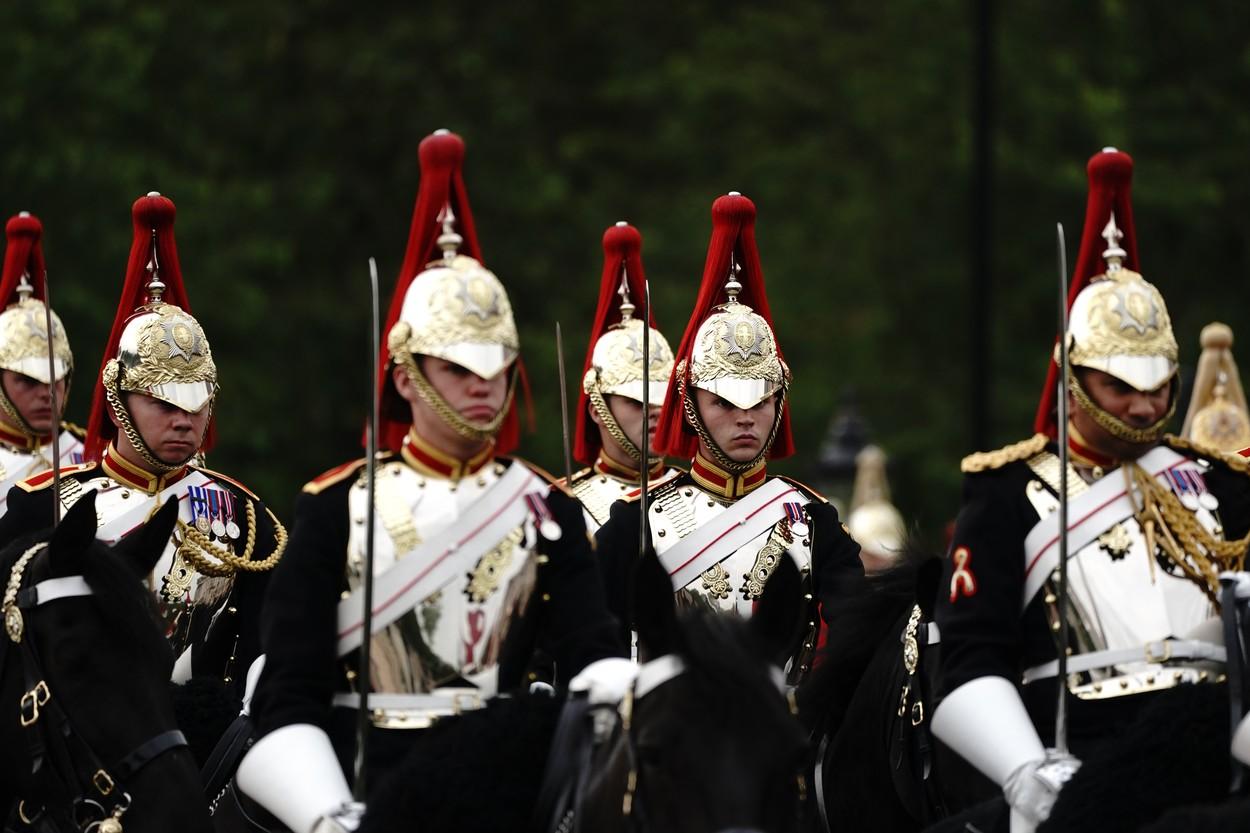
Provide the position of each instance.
(212, 559)
(1187, 543)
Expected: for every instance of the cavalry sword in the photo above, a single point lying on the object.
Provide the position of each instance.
(363, 676)
(56, 411)
(564, 409)
(1061, 589)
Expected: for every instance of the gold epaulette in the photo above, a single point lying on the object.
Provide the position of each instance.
(988, 460)
(216, 475)
(44, 479)
(669, 481)
(335, 475)
(1232, 459)
(77, 430)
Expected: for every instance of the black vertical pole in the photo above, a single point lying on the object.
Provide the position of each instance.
(982, 305)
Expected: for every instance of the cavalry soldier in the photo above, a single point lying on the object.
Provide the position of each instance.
(150, 419)
(609, 413)
(721, 527)
(1153, 519)
(27, 420)
(484, 561)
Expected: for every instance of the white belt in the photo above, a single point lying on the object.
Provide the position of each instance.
(450, 701)
(1159, 652)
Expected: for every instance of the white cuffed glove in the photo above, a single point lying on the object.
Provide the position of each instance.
(1032, 789)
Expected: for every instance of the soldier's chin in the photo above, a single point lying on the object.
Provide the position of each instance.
(176, 455)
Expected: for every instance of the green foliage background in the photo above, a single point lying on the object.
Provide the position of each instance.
(286, 133)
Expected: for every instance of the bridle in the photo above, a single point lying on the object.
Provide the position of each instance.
(65, 771)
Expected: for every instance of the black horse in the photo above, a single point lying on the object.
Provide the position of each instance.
(712, 745)
(867, 704)
(86, 721)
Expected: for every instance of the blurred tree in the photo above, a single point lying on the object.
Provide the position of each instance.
(286, 132)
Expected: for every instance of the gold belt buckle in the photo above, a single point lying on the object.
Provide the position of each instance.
(1161, 658)
(32, 700)
(102, 782)
(463, 701)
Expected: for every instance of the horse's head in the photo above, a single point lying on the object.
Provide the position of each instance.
(87, 675)
(708, 740)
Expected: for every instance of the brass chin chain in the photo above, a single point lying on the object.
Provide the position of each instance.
(212, 559)
(113, 395)
(614, 429)
(11, 411)
(1116, 427)
(696, 422)
(1187, 543)
(480, 431)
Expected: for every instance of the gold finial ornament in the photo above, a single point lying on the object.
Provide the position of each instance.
(1217, 416)
(874, 522)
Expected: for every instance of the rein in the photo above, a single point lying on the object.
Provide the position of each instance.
(65, 770)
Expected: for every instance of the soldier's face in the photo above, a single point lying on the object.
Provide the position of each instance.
(171, 433)
(33, 400)
(1137, 409)
(628, 415)
(476, 399)
(739, 432)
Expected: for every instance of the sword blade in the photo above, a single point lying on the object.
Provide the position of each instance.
(645, 445)
(371, 477)
(1061, 590)
(564, 408)
(56, 411)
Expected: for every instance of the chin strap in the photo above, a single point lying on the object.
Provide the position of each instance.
(696, 422)
(1115, 426)
(479, 431)
(112, 392)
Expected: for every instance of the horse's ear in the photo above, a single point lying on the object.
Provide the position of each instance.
(781, 610)
(652, 607)
(142, 548)
(73, 536)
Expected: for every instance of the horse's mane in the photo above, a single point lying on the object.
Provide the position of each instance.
(727, 658)
(867, 612)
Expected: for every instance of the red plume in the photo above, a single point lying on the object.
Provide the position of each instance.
(22, 256)
(1110, 184)
(442, 183)
(153, 227)
(622, 249)
(733, 233)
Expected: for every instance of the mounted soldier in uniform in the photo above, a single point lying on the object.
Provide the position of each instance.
(1153, 519)
(27, 420)
(151, 418)
(721, 528)
(609, 413)
(478, 561)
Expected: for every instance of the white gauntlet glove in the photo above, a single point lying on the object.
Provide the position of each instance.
(345, 819)
(1032, 789)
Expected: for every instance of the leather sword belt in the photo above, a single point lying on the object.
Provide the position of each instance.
(1176, 659)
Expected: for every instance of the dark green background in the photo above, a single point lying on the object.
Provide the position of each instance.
(286, 133)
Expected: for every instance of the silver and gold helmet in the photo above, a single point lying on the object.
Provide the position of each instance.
(1119, 324)
(1217, 417)
(615, 362)
(735, 353)
(24, 339)
(729, 347)
(456, 310)
(158, 349)
(24, 342)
